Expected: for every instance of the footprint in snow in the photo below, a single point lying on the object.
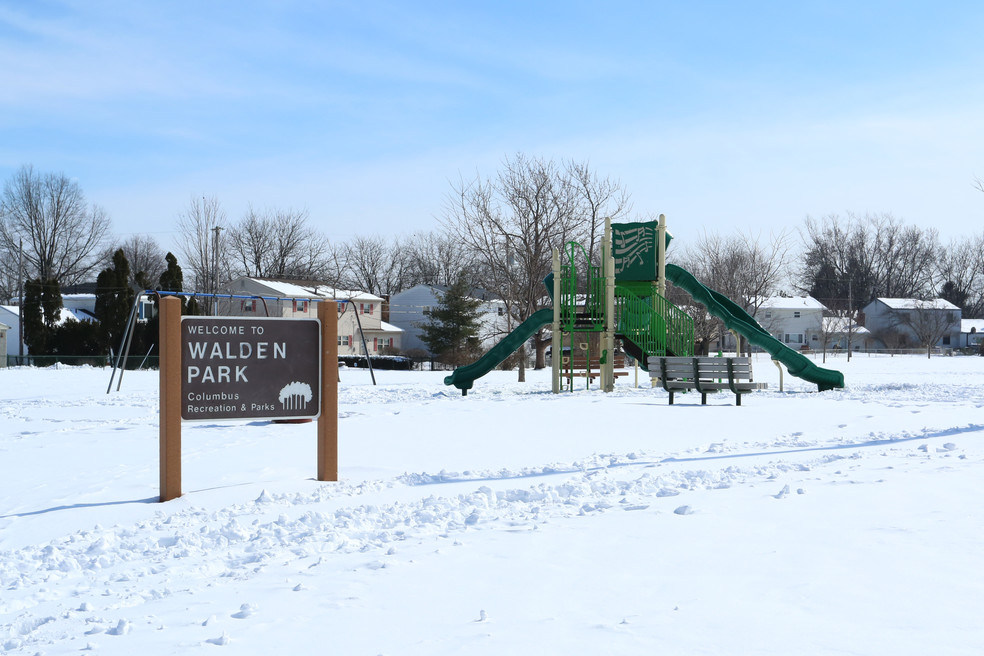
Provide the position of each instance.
(684, 510)
(121, 629)
(783, 493)
(244, 611)
(221, 640)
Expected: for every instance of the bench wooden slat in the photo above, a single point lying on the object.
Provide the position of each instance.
(705, 375)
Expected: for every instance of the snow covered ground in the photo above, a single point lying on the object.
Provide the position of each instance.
(510, 521)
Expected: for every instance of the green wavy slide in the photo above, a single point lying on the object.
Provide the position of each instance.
(735, 318)
(463, 377)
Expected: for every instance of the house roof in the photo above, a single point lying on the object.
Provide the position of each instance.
(833, 325)
(916, 304)
(969, 325)
(792, 303)
(295, 290)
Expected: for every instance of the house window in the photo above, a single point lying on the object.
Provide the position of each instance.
(502, 311)
(341, 307)
(768, 315)
(344, 340)
(946, 340)
(796, 314)
(796, 338)
(248, 306)
(300, 306)
(365, 308)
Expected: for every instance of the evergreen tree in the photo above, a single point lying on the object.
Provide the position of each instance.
(451, 329)
(172, 280)
(114, 300)
(41, 311)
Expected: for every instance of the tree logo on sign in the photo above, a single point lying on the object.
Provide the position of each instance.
(295, 396)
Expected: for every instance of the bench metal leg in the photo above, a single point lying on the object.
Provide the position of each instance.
(703, 398)
(671, 397)
(737, 399)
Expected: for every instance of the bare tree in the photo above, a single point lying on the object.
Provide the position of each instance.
(376, 266)
(436, 259)
(145, 257)
(929, 323)
(742, 267)
(863, 258)
(960, 275)
(280, 244)
(600, 198)
(512, 222)
(61, 234)
(202, 247)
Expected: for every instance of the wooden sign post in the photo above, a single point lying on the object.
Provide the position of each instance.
(328, 421)
(170, 419)
(216, 368)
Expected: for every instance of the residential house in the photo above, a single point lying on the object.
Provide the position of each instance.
(971, 333)
(10, 317)
(260, 297)
(3, 344)
(407, 312)
(796, 321)
(81, 306)
(838, 331)
(910, 323)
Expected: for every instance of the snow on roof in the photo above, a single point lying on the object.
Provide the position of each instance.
(916, 304)
(294, 290)
(977, 325)
(792, 303)
(842, 325)
(388, 327)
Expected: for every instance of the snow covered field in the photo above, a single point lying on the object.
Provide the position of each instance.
(510, 521)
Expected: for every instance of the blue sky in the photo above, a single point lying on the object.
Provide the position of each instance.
(721, 115)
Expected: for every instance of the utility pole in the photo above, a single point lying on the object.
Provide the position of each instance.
(850, 317)
(215, 271)
(20, 305)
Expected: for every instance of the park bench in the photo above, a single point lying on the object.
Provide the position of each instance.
(583, 368)
(705, 375)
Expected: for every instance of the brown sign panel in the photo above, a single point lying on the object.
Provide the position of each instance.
(234, 368)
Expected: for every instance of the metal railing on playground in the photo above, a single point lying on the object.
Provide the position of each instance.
(581, 311)
(653, 323)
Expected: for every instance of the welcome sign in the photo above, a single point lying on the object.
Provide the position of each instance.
(250, 368)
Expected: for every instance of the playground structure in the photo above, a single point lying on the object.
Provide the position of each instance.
(624, 298)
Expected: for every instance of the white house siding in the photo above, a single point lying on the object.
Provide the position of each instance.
(290, 300)
(887, 314)
(10, 316)
(794, 321)
(3, 344)
(407, 312)
(971, 333)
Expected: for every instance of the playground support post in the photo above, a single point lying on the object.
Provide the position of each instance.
(661, 257)
(608, 337)
(556, 340)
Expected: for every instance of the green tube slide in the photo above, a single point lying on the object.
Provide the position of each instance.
(463, 377)
(735, 318)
